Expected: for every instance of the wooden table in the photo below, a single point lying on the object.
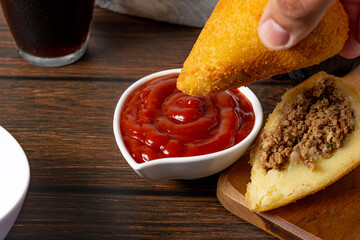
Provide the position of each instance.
(81, 187)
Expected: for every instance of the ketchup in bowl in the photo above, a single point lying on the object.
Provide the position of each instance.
(159, 121)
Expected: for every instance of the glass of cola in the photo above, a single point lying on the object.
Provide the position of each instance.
(49, 33)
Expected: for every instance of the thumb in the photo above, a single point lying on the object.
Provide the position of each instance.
(284, 23)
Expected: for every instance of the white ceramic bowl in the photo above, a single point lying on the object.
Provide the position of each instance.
(186, 167)
(14, 180)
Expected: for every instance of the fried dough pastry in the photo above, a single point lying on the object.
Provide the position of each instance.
(228, 52)
(309, 141)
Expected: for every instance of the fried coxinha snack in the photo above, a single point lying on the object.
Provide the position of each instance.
(309, 141)
(228, 52)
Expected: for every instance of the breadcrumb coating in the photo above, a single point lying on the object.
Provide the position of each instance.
(228, 52)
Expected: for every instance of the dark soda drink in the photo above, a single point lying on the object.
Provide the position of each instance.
(49, 28)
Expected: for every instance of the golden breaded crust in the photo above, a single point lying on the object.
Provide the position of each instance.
(273, 188)
(228, 52)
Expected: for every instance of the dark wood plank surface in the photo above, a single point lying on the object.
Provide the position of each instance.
(81, 187)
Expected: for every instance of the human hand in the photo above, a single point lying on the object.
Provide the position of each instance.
(284, 23)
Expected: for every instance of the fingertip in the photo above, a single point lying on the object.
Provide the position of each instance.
(349, 54)
(282, 26)
(273, 36)
(351, 49)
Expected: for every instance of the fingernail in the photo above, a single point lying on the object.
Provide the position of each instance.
(273, 35)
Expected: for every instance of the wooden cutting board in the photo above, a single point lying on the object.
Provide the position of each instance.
(333, 213)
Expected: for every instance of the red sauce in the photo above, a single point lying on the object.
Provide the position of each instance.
(159, 121)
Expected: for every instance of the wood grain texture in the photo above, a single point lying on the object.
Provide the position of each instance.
(81, 187)
(331, 214)
(120, 46)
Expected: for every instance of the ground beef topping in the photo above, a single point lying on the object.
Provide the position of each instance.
(314, 124)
